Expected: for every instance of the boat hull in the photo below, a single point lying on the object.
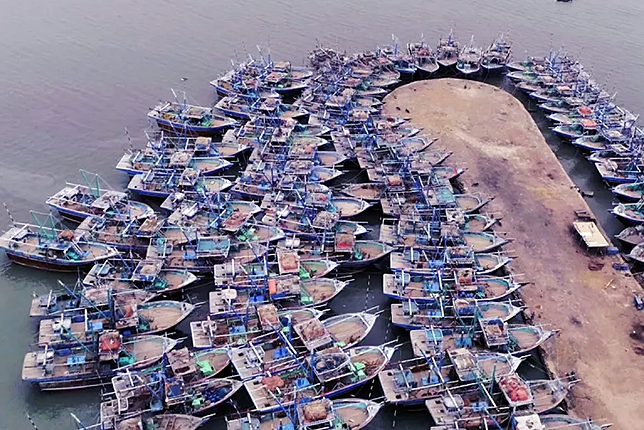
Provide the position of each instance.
(50, 265)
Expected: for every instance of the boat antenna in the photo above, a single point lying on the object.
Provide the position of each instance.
(13, 222)
(129, 139)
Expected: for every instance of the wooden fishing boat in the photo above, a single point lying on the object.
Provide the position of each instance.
(148, 421)
(232, 274)
(82, 367)
(632, 192)
(468, 409)
(199, 365)
(327, 374)
(370, 191)
(127, 236)
(147, 318)
(426, 261)
(75, 301)
(259, 320)
(495, 58)
(447, 51)
(182, 118)
(548, 393)
(285, 291)
(557, 421)
(341, 247)
(234, 84)
(424, 58)
(618, 171)
(302, 225)
(76, 202)
(160, 184)
(632, 235)
(49, 248)
(239, 107)
(206, 251)
(632, 213)
(469, 59)
(350, 414)
(136, 162)
(494, 334)
(412, 315)
(149, 275)
(345, 207)
(419, 379)
(425, 288)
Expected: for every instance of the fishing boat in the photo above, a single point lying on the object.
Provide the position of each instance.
(630, 192)
(326, 374)
(497, 55)
(149, 275)
(239, 330)
(148, 421)
(285, 291)
(244, 109)
(135, 162)
(341, 247)
(369, 191)
(127, 237)
(76, 301)
(45, 246)
(447, 51)
(425, 288)
(493, 334)
(469, 59)
(426, 61)
(632, 213)
(548, 394)
(426, 261)
(85, 366)
(76, 202)
(304, 225)
(231, 274)
(147, 318)
(182, 118)
(349, 414)
(200, 256)
(632, 235)
(618, 170)
(198, 365)
(557, 421)
(161, 184)
(345, 207)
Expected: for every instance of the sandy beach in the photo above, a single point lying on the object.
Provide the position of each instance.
(602, 335)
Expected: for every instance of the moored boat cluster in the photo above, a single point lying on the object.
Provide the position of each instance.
(278, 243)
(585, 115)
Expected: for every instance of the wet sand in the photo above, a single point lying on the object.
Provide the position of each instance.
(602, 335)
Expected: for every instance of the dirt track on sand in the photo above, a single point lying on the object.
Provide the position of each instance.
(602, 335)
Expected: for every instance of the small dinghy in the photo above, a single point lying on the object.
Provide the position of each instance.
(49, 248)
(349, 414)
(184, 118)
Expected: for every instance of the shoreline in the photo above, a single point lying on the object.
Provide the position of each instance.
(506, 156)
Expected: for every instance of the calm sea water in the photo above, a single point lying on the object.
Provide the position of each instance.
(74, 73)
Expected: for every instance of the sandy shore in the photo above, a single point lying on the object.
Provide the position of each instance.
(602, 335)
